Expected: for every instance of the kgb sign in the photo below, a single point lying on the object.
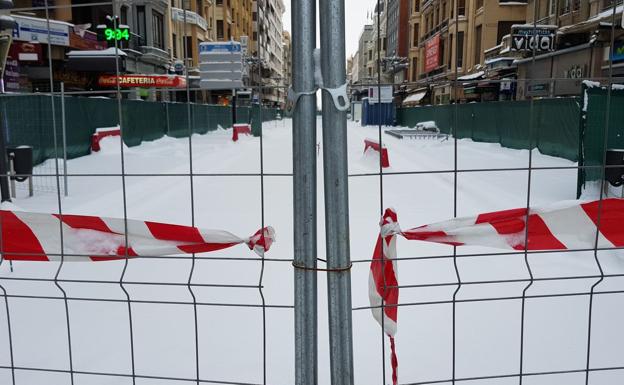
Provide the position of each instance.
(526, 38)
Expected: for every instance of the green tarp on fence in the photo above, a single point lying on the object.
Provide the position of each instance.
(594, 126)
(554, 123)
(28, 119)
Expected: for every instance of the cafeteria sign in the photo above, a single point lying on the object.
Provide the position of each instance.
(143, 81)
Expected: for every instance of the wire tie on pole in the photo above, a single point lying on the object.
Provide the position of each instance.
(327, 270)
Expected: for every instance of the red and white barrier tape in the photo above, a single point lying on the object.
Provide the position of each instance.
(36, 237)
(557, 228)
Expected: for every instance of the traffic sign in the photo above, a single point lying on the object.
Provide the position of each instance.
(220, 65)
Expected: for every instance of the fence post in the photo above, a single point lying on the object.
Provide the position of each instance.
(333, 58)
(304, 169)
(64, 128)
(5, 195)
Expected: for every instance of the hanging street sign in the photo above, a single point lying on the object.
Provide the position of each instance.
(220, 65)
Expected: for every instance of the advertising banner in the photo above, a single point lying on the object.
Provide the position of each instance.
(432, 53)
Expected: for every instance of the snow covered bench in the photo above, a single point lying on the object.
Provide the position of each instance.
(371, 143)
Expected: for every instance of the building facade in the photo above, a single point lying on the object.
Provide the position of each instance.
(397, 55)
(147, 50)
(267, 46)
(287, 67)
(581, 50)
(453, 39)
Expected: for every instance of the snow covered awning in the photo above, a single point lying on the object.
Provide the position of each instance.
(415, 98)
(97, 53)
(474, 76)
(97, 60)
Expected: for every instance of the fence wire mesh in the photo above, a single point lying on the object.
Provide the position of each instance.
(461, 321)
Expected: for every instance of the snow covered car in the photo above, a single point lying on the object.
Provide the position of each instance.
(429, 126)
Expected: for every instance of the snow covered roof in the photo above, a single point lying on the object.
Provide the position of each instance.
(97, 53)
(415, 98)
(476, 75)
(497, 59)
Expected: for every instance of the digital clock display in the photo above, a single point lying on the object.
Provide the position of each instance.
(112, 34)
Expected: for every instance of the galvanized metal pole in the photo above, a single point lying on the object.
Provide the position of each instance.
(333, 58)
(64, 126)
(304, 169)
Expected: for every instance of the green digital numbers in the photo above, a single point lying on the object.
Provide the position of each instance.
(117, 34)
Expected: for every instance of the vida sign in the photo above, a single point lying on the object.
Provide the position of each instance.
(529, 38)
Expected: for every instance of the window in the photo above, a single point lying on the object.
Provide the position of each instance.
(460, 49)
(414, 69)
(477, 53)
(441, 52)
(141, 28)
(174, 41)
(565, 6)
(479, 4)
(504, 28)
(188, 47)
(199, 8)
(158, 33)
(123, 15)
(220, 29)
(461, 8)
(450, 56)
(415, 35)
(553, 7)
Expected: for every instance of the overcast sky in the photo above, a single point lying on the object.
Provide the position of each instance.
(356, 12)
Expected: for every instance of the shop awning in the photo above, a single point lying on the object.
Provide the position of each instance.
(415, 98)
(474, 76)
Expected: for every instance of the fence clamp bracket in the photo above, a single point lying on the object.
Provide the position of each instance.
(338, 94)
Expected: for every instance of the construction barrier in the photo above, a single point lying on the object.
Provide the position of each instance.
(240, 128)
(27, 120)
(573, 226)
(599, 117)
(551, 125)
(383, 151)
(101, 133)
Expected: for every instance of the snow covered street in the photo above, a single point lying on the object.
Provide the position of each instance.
(420, 187)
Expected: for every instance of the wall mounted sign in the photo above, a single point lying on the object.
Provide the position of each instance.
(142, 81)
(32, 29)
(526, 38)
